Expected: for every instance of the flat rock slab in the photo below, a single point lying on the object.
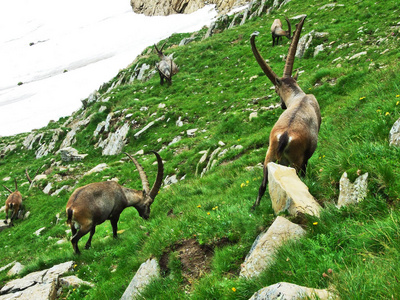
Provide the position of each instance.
(289, 193)
(290, 291)
(263, 249)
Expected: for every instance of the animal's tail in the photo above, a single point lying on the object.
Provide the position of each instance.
(69, 213)
(283, 142)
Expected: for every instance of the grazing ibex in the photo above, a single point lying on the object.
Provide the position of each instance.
(13, 203)
(166, 67)
(277, 31)
(293, 139)
(97, 202)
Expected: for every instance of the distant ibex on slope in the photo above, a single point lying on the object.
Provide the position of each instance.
(97, 202)
(166, 67)
(13, 203)
(293, 139)
(277, 31)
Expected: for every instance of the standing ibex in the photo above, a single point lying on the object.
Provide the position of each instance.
(277, 31)
(13, 202)
(293, 139)
(97, 202)
(166, 67)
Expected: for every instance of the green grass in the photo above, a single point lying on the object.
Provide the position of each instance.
(214, 92)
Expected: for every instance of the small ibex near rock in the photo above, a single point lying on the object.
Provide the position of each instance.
(166, 67)
(97, 202)
(13, 203)
(293, 139)
(277, 31)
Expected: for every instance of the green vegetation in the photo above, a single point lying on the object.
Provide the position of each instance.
(214, 91)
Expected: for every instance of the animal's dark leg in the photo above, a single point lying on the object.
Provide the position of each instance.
(75, 239)
(89, 242)
(273, 40)
(5, 221)
(114, 224)
(262, 188)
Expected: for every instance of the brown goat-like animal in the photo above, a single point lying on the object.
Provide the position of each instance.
(293, 139)
(97, 202)
(13, 203)
(166, 67)
(277, 31)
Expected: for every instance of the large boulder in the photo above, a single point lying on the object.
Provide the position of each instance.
(264, 247)
(289, 193)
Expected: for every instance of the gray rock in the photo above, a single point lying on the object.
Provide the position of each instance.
(16, 269)
(99, 168)
(262, 252)
(289, 193)
(74, 282)
(191, 132)
(358, 55)
(116, 141)
(352, 193)
(290, 291)
(394, 134)
(147, 272)
(70, 154)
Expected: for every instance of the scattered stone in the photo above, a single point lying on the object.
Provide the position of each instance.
(147, 272)
(170, 180)
(16, 269)
(330, 5)
(221, 143)
(358, 55)
(191, 132)
(8, 266)
(115, 142)
(352, 193)
(289, 193)
(99, 168)
(394, 134)
(74, 282)
(262, 252)
(37, 232)
(47, 188)
(175, 140)
(253, 115)
(286, 291)
(179, 122)
(139, 133)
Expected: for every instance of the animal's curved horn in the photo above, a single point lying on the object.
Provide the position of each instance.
(27, 175)
(289, 28)
(267, 70)
(159, 178)
(7, 189)
(16, 186)
(142, 173)
(287, 72)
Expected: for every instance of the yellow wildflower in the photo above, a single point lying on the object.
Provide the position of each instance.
(387, 113)
(397, 103)
(397, 96)
(315, 223)
(242, 184)
(234, 289)
(198, 206)
(208, 213)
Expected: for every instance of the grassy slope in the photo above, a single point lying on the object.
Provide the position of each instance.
(214, 91)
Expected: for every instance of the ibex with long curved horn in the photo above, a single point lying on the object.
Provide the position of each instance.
(13, 203)
(277, 31)
(293, 139)
(97, 202)
(166, 67)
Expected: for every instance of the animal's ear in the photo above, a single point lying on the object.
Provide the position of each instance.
(296, 75)
(278, 82)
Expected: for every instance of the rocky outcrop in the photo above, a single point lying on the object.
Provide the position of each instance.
(394, 134)
(168, 7)
(37, 285)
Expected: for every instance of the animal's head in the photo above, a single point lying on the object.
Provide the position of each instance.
(147, 195)
(287, 84)
(159, 51)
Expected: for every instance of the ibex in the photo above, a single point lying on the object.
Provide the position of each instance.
(13, 203)
(97, 202)
(166, 67)
(293, 139)
(277, 31)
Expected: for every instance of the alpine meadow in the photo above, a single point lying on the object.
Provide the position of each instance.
(211, 126)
